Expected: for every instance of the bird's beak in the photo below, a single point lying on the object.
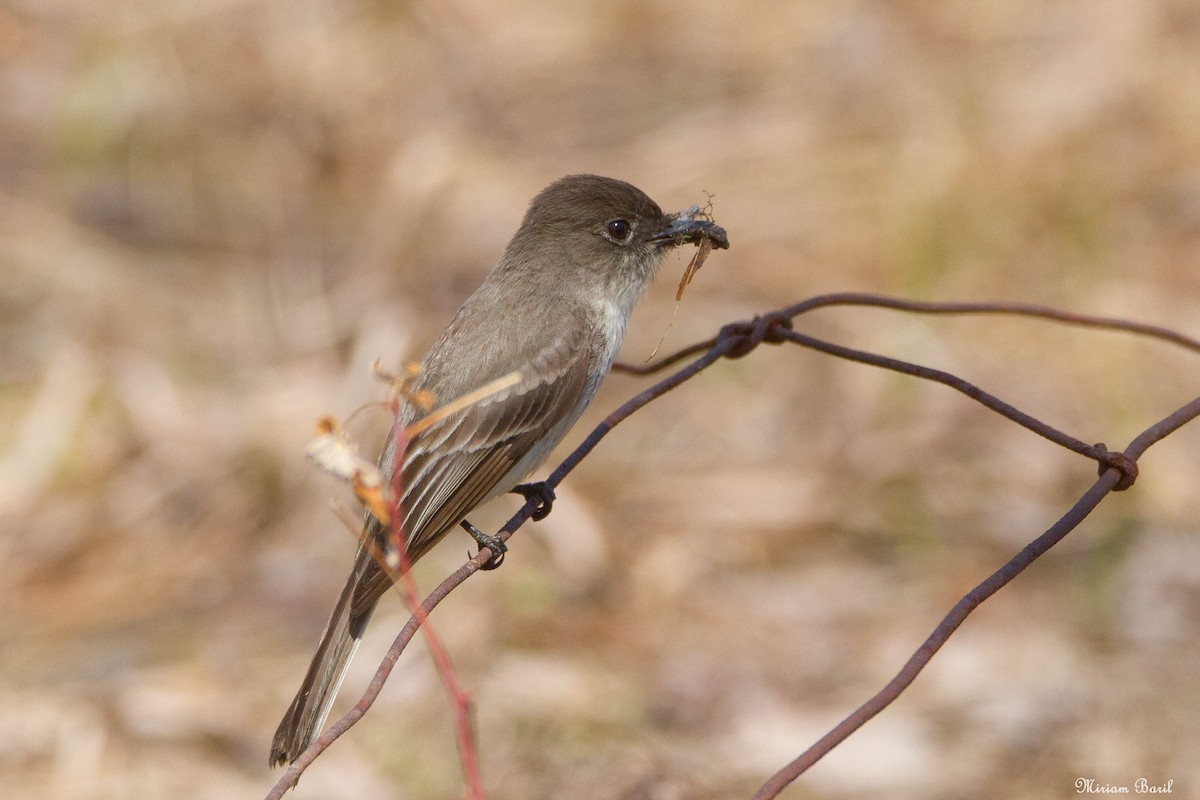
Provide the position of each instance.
(689, 227)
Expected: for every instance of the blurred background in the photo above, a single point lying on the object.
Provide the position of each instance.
(215, 215)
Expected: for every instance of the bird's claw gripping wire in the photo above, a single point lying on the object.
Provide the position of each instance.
(540, 491)
(493, 543)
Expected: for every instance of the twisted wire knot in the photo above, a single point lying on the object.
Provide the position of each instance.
(766, 328)
(1119, 461)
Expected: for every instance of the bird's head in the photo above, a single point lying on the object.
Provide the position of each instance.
(605, 233)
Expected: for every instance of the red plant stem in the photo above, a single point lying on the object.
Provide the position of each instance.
(459, 698)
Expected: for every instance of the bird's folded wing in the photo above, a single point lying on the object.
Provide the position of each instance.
(456, 463)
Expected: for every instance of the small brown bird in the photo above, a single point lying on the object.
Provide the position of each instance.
(554, 309)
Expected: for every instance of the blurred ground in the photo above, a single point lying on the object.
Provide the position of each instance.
(215, 215)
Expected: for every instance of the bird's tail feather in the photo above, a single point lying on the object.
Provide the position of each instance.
(310, 707)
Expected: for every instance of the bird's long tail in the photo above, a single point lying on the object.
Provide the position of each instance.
(343, 632)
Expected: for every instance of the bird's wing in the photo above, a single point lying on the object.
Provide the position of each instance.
(457, 463)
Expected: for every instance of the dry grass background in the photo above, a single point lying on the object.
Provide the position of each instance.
(215, 215)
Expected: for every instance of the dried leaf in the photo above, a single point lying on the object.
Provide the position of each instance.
(401, 385)
(332, 452)
(373, 496)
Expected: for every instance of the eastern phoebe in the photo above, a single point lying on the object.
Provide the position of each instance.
(554, 309)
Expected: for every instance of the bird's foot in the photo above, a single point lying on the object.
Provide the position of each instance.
(493, 543)
(542, 492)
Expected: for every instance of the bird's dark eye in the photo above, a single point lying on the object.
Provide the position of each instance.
(619, 229)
